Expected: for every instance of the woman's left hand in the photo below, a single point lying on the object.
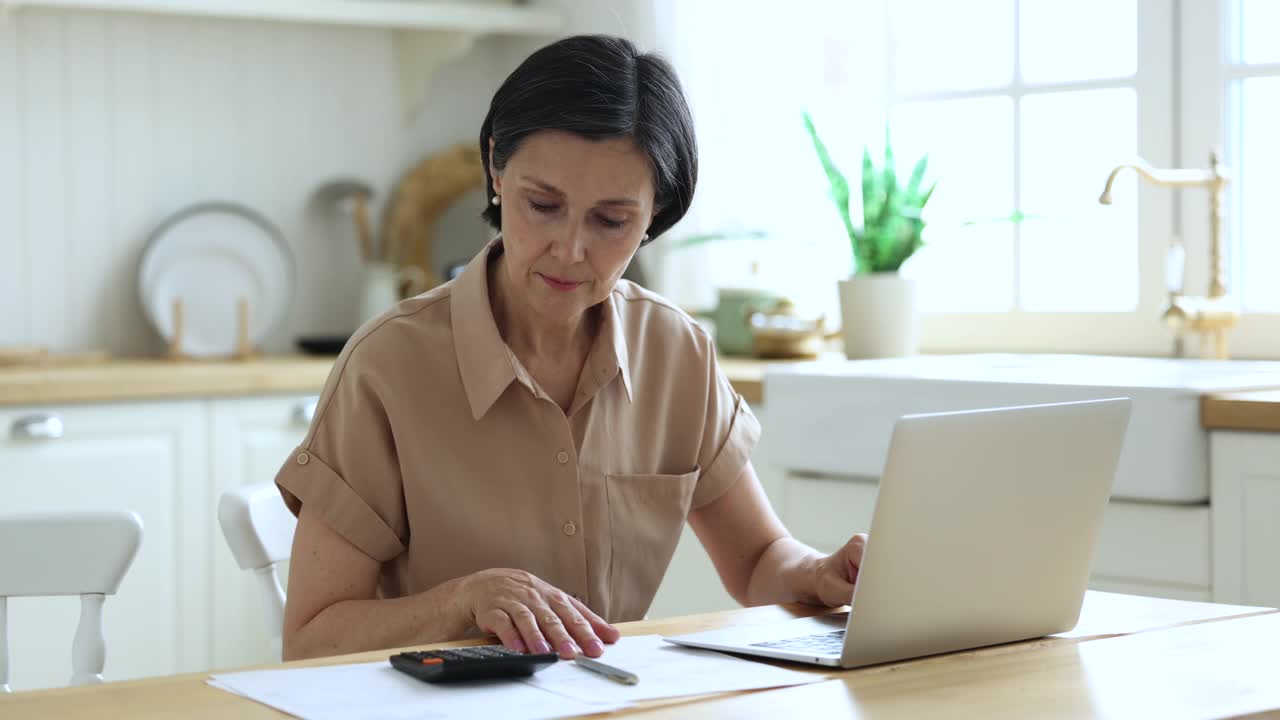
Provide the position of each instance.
(837, 573)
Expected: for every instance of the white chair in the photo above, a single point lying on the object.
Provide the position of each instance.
(259, 530)
(85, 554)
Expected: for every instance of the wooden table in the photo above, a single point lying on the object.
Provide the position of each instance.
(1183, 662)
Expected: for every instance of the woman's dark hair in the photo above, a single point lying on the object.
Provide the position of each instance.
(598, 87)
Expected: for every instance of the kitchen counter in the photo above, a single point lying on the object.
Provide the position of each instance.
(128, 379)
(746, 375)
(153, 378)
(1252, 410)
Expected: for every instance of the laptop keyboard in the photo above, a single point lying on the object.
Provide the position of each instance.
(831, 643)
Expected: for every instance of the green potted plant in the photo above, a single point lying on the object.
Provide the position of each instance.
(878, 305)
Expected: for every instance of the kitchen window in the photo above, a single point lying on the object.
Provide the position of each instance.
(1229, 94)
(1251, 84)
(1024, 106)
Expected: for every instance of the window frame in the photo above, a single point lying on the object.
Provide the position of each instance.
(1138, 332)
(1205, 73)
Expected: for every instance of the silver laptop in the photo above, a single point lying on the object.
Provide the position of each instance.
(983, 533)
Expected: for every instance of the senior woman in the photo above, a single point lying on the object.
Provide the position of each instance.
(516, 451)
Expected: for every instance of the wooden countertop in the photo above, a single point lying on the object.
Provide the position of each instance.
(1253, 410)
(129, 379)
(1193, 663)
(149, 379)
(154, 378)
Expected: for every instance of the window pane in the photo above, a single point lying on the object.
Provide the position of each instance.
(1052, 49)
(1077, 255)
(945, 45)
(962, 268)
(1258, 177)
(1260, 31)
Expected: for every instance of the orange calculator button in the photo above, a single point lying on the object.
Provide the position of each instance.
(432, 661)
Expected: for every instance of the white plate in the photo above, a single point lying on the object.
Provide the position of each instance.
(210, 256)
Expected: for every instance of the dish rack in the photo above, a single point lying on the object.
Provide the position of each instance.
(206, 262)
(244, 347)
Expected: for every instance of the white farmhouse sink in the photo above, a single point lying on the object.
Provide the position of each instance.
(836, 417)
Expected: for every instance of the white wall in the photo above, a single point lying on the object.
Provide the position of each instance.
(110, 122)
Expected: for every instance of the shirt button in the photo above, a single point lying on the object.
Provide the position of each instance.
(303, 458)
(570, 528)
(563, 457)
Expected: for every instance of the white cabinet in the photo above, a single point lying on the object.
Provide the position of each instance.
(691, 584)
(1154, 549)
(184, 605)
(145, 457)
(249, 439)
(1245, 479)
(825, 511)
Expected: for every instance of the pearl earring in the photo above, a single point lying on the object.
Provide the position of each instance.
(644, 238)
(497, 200)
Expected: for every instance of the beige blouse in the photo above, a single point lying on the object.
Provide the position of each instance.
(435, 452)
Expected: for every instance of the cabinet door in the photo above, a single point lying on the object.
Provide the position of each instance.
(250, 439)
(691, 584)
(148, 458)
(1245, 480)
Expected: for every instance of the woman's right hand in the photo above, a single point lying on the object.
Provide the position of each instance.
(529, 615)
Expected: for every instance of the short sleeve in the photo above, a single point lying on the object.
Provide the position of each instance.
(347, 467)
(730, 433)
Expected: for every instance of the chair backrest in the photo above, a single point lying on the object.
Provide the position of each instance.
(85, 554)
(259, 530)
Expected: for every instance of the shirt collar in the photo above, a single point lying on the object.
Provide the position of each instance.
(484, 360)
(612, 342)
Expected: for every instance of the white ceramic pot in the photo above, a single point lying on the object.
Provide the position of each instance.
(382, 287)
(878, 316)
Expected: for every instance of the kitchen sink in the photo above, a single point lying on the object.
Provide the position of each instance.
(835, 417)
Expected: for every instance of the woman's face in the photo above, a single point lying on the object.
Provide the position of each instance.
(573, 214)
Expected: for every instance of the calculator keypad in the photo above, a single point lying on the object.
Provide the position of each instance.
(480, 652)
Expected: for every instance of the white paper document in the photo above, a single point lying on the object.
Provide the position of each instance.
(376, 690)
(1107, 613)
(665, 670)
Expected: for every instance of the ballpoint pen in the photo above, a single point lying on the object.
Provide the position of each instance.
(609, 671)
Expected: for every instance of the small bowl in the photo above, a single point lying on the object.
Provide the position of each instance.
(786, 336)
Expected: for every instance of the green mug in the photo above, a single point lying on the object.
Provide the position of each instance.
(732, 317)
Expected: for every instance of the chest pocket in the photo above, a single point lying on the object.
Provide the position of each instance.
(646, 515)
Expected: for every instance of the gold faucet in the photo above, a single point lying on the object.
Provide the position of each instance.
(1212, 315)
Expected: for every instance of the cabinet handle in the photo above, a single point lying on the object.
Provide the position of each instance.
(305, 411)
(41, 426)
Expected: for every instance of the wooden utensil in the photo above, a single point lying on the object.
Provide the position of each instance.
(363, 229)
(335, 192)
(422, 196)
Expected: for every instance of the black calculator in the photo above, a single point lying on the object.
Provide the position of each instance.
(470, 663)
